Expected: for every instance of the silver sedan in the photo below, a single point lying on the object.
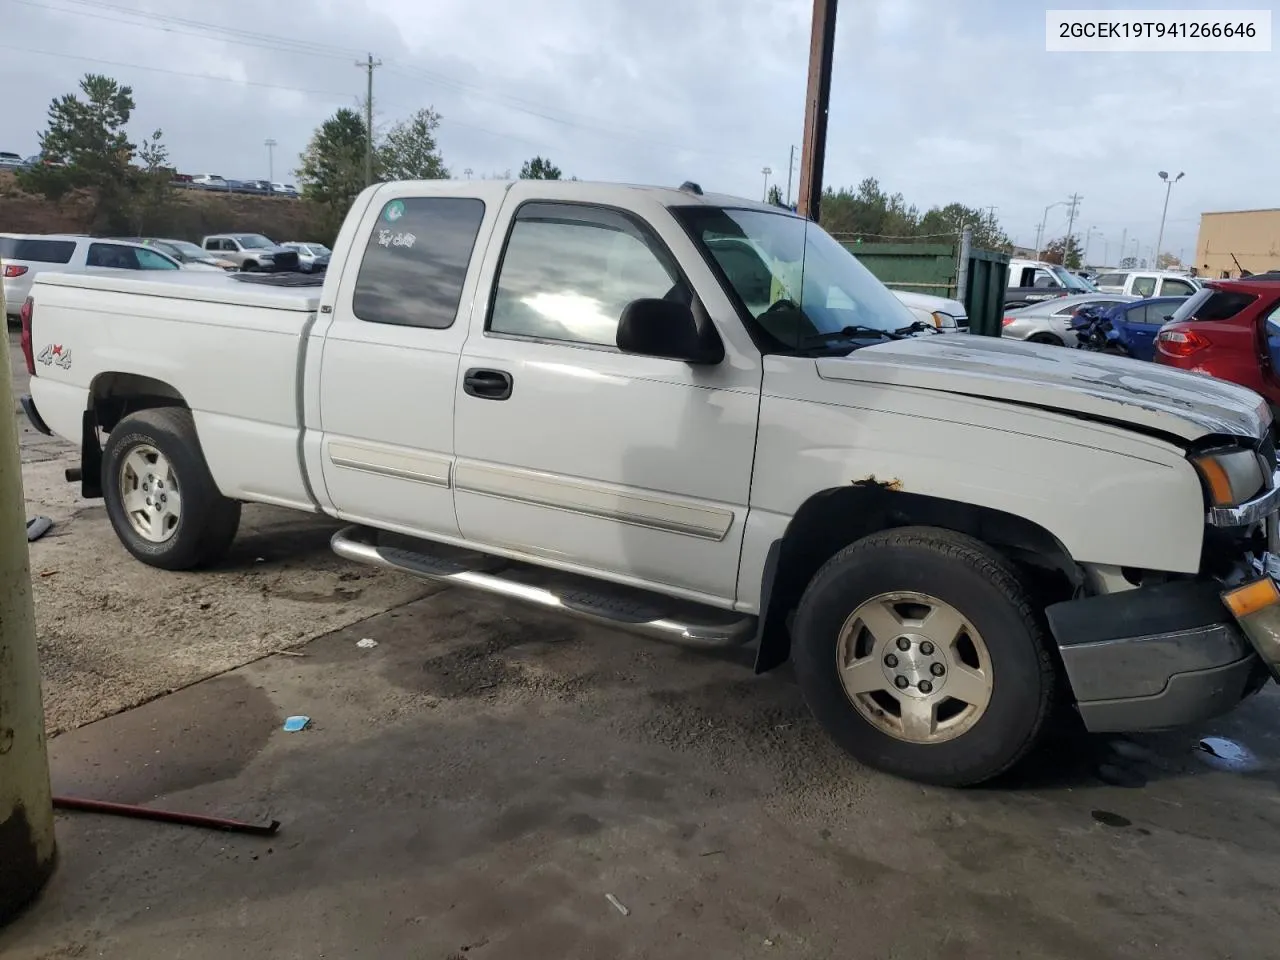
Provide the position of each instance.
(1049, 321)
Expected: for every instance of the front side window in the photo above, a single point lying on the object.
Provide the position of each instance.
(1176, 288)
(150, 260)
(112, 256)
(1111, 280)
(799, 288)
(416, 260)
(254, 241)
(569, 271)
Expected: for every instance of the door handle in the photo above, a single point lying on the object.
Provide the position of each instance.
(487, 384)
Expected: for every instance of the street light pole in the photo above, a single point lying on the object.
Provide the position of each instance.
(766, 171)
(271, 160)
(1044, 220)
(1168, 189)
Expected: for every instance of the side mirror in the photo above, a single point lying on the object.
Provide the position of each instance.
(667, 329)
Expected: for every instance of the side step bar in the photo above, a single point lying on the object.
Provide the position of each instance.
(621, 607)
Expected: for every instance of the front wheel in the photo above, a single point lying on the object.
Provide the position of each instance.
(918, 651)
(160, 497)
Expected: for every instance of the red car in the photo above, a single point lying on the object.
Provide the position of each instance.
(1230, 330)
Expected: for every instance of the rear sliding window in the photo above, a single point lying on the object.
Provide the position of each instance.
(416, 261)
(1210, 304)
(37, 251)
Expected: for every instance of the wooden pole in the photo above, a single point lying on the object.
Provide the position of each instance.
(26, 805)
(813, 150)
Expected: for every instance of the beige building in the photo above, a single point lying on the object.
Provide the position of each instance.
(1253, 236)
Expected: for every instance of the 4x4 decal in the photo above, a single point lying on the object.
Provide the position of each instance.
(55, 353)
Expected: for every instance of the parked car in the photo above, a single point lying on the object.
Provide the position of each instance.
(1049, 321)
(11, 161)
(1230, 330)
(1147, 283)
(24, 256)
(210, 181)
(188, 253)
(288, 189)
(554, 391)
(1031, 281)
(948, 316)
(312, 257)
(251, 251)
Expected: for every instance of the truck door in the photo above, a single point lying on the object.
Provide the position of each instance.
(632, 467)
(390, 355)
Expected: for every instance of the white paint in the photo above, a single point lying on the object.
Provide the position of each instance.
(634, 469)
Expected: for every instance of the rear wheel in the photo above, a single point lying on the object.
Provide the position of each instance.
(1048, 338)
(918, 651)
(160, 497)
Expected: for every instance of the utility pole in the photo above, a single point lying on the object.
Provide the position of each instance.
(368, 65)
(791, 166)
(1075, 199)
(467, 173)
(817, 100)
(26, 802)
(766, 171)
(1124, 239)
(1043, 221)
(271, 159)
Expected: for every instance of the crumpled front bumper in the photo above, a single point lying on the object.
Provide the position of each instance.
(1176, 653)
(1155, 657)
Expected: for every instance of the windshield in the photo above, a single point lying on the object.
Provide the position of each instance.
(254, 241)
(1072, 281)
(320, 250)
(187, 249)
(794, 280)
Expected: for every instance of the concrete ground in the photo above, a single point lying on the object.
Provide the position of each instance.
(472, 788)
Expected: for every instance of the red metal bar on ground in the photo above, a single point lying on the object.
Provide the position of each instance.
(166, 816)
(814, 149)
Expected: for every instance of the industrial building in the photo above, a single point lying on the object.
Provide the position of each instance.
(1238, 239)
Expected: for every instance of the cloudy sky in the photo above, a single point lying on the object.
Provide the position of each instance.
(941, 100)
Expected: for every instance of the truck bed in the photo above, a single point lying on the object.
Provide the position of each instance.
(197, 285)
(236, 349)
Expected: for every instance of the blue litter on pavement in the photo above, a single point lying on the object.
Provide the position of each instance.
(294, 724)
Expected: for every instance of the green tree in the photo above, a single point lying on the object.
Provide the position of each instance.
(410, 151)
(987, 233)
(539, 169)
(775, 196)
(153, 178)
(869, 212)
(332, 171)
(1064, 250)
(86, 145)
(1168, 261)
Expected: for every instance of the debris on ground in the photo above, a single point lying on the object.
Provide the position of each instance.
(294, 724)
(166, 816)
(37, 527)
(367, 643)
(1109, 819)
(617, 904)
(1228, 754)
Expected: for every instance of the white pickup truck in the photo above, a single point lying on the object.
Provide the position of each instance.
(699, 418)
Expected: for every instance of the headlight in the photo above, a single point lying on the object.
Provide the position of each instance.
(1230, 477)
(943, 321)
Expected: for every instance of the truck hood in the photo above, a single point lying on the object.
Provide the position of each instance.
(1093, 386)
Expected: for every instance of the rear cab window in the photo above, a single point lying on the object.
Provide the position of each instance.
(415, 261)
(37, 250)
(1173, 287)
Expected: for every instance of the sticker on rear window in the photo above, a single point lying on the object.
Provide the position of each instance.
(394, 211)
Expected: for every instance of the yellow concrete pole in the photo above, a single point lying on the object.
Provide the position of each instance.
(26, 805)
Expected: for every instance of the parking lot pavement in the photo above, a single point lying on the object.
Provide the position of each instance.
(114, 633)
(477, 783)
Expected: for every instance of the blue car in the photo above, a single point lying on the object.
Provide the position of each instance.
(1136, 324)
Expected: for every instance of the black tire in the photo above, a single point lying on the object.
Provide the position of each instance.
(250, 267)
(1046, 338)
(207, 522)
(985, 589)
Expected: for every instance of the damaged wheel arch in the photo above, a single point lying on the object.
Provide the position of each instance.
(834, 518)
